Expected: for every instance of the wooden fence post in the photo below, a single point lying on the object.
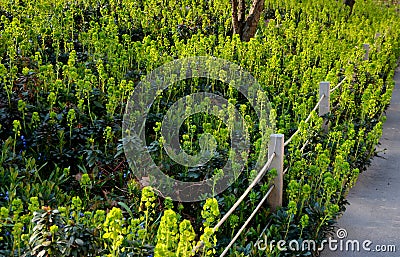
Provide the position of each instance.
(276, 145)
(378, 47)
(324, 107)
(366, 48)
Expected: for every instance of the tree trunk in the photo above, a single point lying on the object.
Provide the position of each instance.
(235, 20)
(246, 27)
(350, 3)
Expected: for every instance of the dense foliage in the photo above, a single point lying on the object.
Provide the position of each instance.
(67, 69)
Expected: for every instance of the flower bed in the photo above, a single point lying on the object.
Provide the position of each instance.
(67, 70)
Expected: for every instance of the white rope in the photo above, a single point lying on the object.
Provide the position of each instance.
(304, 146)
(233, 208)
(284, 172)
(308, 118)
(338, 85)
(255, 181)
(265, 228)
(247, 222)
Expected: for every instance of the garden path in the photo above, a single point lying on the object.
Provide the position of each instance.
(374, 211)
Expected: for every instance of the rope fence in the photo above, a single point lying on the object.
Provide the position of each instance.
(255, 181)
(276, 147)
(323, 104)
(338, 85)
(237, 203)
(247, 222)
(306, 120)
(275, 192)
(276, 154)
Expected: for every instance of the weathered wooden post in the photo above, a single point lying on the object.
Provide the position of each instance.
(324, 106)
(366, 55)
(276, 145)
(378, 47)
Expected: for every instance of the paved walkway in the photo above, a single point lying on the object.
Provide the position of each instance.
(374, 211)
